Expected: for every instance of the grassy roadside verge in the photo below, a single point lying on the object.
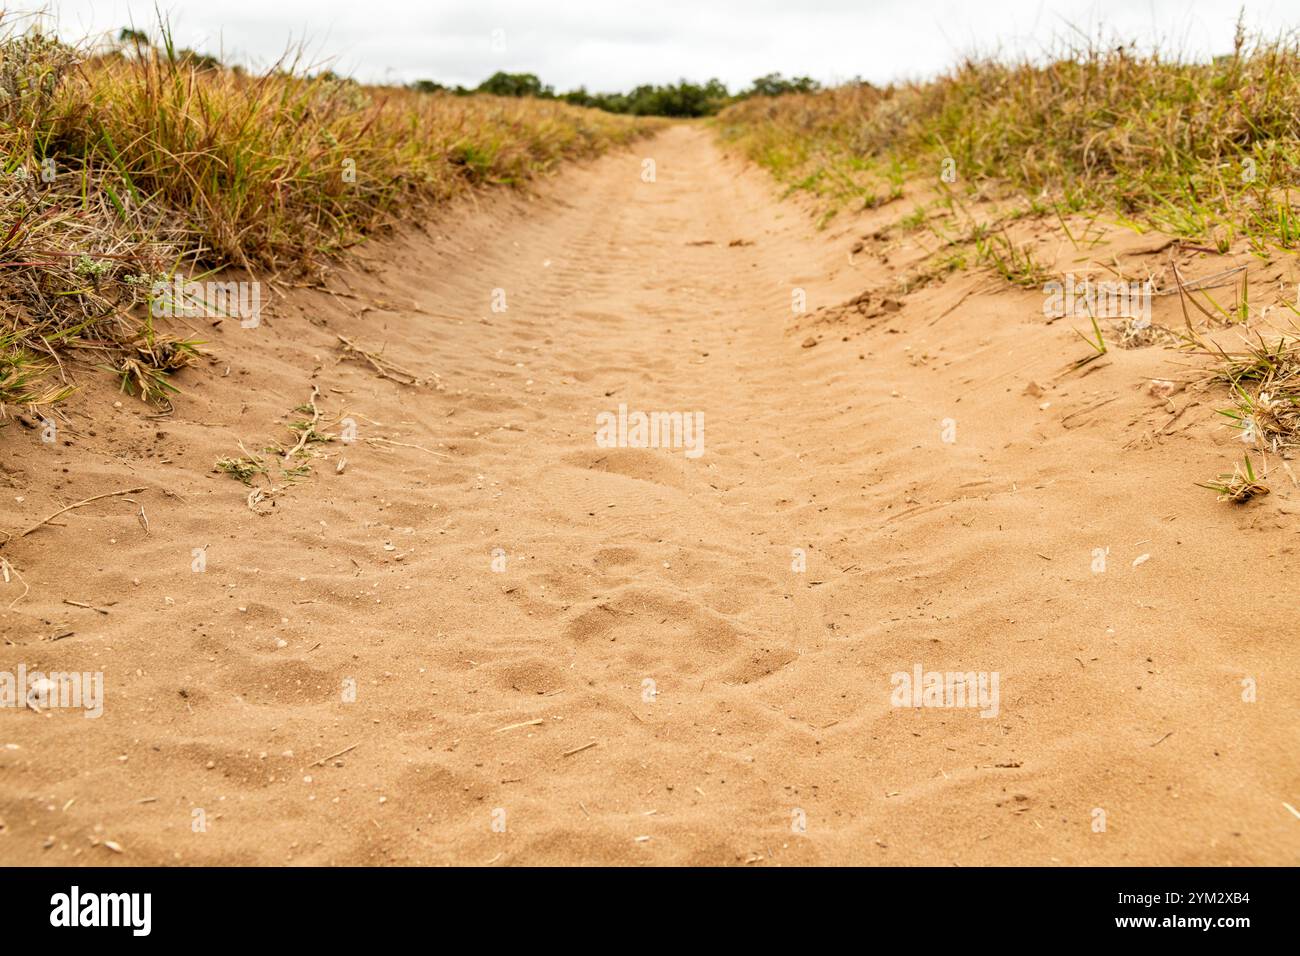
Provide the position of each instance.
(124, 168)
(1208, 152)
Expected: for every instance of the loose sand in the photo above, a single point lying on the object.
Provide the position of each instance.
(767, 735)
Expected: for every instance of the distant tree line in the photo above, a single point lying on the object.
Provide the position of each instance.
(140, 41)
(672, 99)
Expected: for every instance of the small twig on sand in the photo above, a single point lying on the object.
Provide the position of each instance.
(8, 569)
(960, 299)
(332, 756)
(78, 504)
(88, 607)
(306, 434)
(526, 723)
(399, 444)
(381, 365)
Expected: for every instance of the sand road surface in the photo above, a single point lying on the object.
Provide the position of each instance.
(475, 634)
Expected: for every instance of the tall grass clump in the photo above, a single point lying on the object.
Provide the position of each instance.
(1205, 150)
(127, 164)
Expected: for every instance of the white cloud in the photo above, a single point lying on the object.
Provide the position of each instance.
(604, 46)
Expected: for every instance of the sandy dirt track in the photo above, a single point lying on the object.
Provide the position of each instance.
(767, 735)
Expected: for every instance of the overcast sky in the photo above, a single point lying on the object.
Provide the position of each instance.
(607, 45)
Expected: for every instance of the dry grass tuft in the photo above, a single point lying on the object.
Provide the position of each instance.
(127, 166)
(1205, 150)
(1238, 486)
(1264, 386)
